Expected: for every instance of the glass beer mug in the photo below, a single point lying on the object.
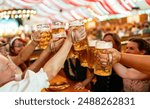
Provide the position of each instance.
(58, 30)
(101, 69)
(44, 33)
(73, 53)
(80, 41)
(91, 53)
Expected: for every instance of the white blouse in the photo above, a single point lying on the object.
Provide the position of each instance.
(33, 82)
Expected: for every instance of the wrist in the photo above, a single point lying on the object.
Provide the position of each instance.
(35, 43)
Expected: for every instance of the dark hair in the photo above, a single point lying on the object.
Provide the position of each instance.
(142, 44)
(11, 45)
(116, 39)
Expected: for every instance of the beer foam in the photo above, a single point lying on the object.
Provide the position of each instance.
(56, 25)
(92, 43)
(43, 27)
(76, 23)
(59, 35)
(103, 45)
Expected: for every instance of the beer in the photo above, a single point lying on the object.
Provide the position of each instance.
(45, 35)
(58, 30)
(73, 53)
(91, 52)
(80, 42)
(83, 57)
(102, 69)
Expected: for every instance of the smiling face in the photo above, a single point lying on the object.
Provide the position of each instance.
(18, 46)
(132, 47)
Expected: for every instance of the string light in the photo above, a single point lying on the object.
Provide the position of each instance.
(17, 13)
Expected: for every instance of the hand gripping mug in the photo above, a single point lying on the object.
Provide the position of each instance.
(99, 68)
(43, 31)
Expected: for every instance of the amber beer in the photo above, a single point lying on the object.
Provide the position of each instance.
(99, 69)
(83, 57)
(91, 52)
(73, 53)
(79, 43)
(45, 35)
(58, 30)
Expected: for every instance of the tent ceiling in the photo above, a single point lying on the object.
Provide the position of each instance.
(68, 10)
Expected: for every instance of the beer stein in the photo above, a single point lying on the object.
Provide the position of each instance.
(58, 30)
(79, 40)
(99, 68)
(43, 31)
(91, 53)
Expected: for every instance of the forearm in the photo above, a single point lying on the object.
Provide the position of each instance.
(88, 79)
(25, 53)
(42, 59)
(139, 62)
(120, 70)
(53, 66)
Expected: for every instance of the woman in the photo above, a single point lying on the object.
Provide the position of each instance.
(16, 45)
(130, 60)
(73, 69)
(133, 79)
(33, 81)
(112, 83)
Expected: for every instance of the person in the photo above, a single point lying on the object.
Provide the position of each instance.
(15, 46)
(130, 60)
(23, 55)
(134, 80)
(33, 81)
(73, 69)
(146, 29)
(112, 83)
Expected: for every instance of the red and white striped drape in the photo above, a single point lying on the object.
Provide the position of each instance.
(67, 10)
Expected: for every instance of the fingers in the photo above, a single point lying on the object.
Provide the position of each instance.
(78, 35)
(56, 44)
(79, 86)
(36, 36)
(110, 56)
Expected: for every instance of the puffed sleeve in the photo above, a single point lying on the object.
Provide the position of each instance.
(33, 82)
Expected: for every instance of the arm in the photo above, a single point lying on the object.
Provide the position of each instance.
(81, 85)
(88, 79)
(53, 66)
(129, 73)
(139, 62)
(45, 56)
(25, 53)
